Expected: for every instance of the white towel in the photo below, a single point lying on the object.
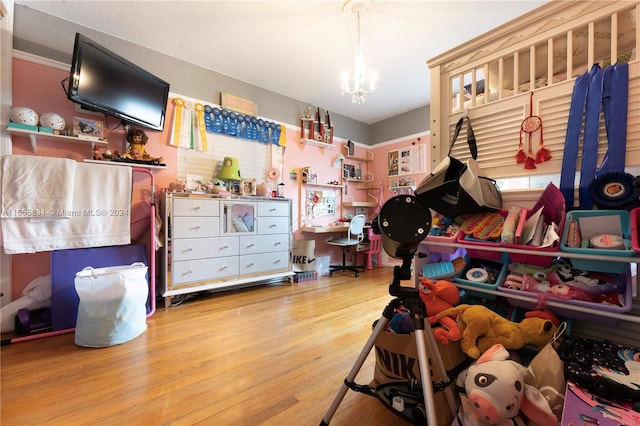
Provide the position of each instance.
(99, 215)
(37, 187)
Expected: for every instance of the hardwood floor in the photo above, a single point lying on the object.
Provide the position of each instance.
(269, 355)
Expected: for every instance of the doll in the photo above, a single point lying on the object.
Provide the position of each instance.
(137, 139)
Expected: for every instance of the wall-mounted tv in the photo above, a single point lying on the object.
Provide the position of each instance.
(103, 81)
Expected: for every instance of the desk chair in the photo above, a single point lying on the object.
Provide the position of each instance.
(355, 235)
(375, 243)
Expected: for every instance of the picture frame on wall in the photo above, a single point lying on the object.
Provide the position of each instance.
(85, 128)
(248, 187)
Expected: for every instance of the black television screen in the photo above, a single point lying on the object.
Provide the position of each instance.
(103, 81)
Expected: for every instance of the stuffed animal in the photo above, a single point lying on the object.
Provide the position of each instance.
(482, 328)
(437, 297)
(495, 391)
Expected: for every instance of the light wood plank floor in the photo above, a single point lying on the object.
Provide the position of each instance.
(269, 355)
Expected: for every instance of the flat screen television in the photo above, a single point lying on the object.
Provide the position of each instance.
(103, 81)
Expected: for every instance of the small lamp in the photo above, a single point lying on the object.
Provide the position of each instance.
(230, 170)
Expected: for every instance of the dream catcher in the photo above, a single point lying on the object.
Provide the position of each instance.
(530, 125)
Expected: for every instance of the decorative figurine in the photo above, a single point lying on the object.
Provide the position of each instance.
(137, 139)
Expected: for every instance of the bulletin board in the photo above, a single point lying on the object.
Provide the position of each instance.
(407, 161)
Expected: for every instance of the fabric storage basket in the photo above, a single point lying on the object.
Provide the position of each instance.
(112, 308)
(605, 218)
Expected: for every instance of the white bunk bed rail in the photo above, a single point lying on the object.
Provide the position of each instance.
(490, 79)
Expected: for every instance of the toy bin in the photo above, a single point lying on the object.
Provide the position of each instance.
(594, 224)
(474, 245)
(483, 273)
(635, 229)
(444, 231)
(552, 204)
(536, 301)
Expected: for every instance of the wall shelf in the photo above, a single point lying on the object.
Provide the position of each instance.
(367, 159)
(116, 163)
(359, 204)
(324, 185)
(322, 145)
(34, 136)
(368, 185)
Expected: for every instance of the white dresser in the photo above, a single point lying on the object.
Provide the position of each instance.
(216, 243)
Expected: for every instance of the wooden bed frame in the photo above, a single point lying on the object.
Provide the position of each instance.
(545, 49)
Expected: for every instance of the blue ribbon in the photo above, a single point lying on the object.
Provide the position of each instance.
(597, 89)
(591, 135)
(615, 103)
(572, 139)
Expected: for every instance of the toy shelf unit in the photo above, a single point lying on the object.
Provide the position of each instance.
(531, 298)
(216, 242)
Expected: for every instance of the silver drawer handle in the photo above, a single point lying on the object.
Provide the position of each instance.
(272, 226)
(224, 267)
(196, 228)
(272, 209)
(190, 271)
(277, 261)
(196, 208)
(187, 250)
(250, 245)
(277, 244)
(224, 247)
(250, 265)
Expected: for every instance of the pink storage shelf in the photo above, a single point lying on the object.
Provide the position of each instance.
(554, 211)
(569, 313)
(474, 246)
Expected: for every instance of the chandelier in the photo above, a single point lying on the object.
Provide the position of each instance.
(356, 87)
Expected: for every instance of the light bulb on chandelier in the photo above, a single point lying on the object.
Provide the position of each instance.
(363, 84)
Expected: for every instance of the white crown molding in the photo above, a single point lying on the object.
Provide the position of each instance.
(40, 60)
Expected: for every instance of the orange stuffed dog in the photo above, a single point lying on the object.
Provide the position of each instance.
(482, 328)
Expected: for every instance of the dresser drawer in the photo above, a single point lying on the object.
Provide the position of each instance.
(204, 269)
(273, 208)
(195, 227)
(195, 207)
(263, 244)
(201, 248)
(273, 225)
(264, 262)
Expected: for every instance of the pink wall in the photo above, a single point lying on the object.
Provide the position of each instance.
(39, 87)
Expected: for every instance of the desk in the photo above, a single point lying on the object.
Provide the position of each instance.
(327, 228)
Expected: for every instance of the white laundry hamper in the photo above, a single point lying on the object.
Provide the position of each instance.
(112, 308)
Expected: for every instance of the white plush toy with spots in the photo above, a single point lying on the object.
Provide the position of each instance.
(496, 392)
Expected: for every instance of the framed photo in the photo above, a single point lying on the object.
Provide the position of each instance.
(248, 187)
(85, 127)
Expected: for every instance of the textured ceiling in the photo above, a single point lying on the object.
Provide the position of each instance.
(300, 48)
